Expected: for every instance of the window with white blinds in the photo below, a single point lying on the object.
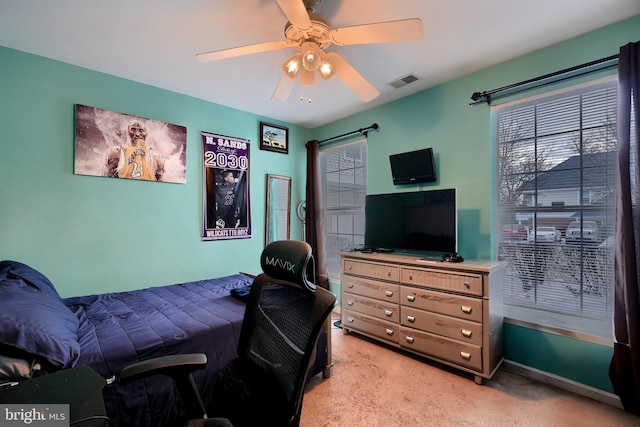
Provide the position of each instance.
(556, 182)
(344, 187)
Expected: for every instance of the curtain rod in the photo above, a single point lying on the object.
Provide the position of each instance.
(362, 131)
(481, 97)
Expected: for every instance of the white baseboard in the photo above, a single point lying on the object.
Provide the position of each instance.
(563, 383)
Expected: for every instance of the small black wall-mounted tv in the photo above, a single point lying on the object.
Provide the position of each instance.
(413, 167)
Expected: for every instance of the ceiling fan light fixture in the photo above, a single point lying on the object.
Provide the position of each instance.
(292, 66)
(311, 56)
(327, 70)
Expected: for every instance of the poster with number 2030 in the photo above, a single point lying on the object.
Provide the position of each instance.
(226, 188)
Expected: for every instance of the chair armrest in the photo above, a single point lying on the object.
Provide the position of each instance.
(180, 368)
(172, 365)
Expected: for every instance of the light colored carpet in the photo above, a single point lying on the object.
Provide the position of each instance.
(376, 386)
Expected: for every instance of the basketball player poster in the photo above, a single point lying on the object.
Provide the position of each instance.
(117, 145)
(226, 188)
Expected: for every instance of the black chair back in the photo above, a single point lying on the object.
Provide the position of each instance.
(285, 313)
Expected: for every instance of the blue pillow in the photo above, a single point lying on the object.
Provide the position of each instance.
(34, 318)
(13, 269)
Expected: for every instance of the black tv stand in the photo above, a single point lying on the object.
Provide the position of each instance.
(434, 257)
(373, 249)
(366, 250)
(386, 250)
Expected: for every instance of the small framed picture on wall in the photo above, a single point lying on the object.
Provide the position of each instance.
(274, 138)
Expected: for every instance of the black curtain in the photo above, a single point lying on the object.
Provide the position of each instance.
(314, 222)
(624, 370)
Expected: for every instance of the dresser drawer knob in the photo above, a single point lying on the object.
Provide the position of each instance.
(389, 331)
(350, 267)
(465, 355)
(465, 309)
(410, 276)
(388, 293)
(350, 319)
(466, 333)
(388, 313)
(409, 339)
(411, 319)
(349, 302)
(388, 274)
(349, 285)
(467, 285)
(411, 298)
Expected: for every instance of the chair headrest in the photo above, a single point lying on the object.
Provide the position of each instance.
(291, 261)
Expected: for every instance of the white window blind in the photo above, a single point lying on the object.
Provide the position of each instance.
(556, 184)
(344, 187)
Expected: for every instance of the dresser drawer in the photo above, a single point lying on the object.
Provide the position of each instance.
(441, 302)
(372, 307)
(374, 270)
(439, 324)
(454, 351)
(369, 325)
(455, 282)
(371, 288)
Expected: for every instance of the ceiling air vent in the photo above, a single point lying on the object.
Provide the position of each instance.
(403, 81)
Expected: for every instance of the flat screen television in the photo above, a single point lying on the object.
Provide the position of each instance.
(413, 167)
(422, 221)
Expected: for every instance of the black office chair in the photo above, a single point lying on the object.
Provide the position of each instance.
(264, 384)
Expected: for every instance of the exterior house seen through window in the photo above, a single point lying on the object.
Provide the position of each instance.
(556, 183)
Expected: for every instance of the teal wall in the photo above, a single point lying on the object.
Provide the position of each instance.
(580, 361)
(93, 234)
(460, 135)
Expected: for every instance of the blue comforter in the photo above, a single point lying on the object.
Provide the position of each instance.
(121, 328)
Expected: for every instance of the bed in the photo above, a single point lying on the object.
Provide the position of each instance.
(41, 332)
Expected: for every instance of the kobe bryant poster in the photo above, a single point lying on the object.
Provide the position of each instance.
(118, 145)
(226, 188)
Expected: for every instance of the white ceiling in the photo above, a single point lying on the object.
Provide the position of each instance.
(155, 41)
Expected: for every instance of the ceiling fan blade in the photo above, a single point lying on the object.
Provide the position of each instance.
(381, 32)
(296, 13)
(350, 77)
(284, 88)
(242, 50)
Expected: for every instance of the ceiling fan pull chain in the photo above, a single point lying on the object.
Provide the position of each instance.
(302, 96)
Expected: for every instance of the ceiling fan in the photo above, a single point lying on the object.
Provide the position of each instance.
(310, 34)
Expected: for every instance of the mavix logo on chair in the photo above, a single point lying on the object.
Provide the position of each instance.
(41, 415)
(281, 263)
